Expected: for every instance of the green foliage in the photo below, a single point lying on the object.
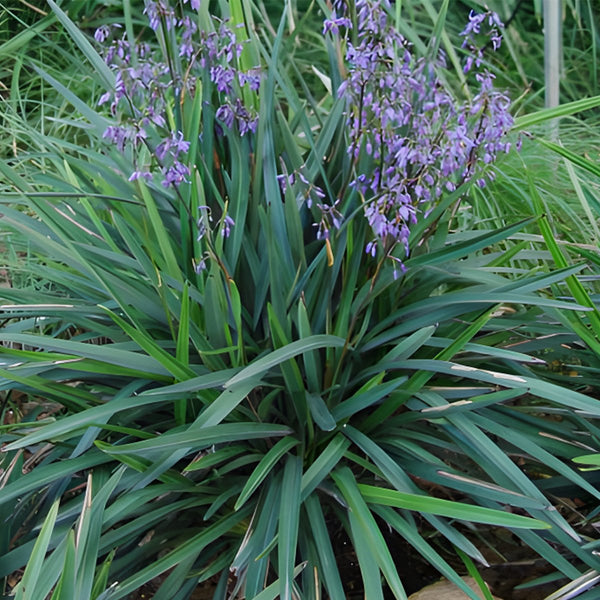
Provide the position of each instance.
(226, 424)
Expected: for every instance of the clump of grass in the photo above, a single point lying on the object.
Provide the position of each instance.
(233, 379)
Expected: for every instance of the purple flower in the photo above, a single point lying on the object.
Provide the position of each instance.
(333, 24)
(330, 217)
(473, 29)
(158, 12)
(150, 84)
(179, 143)
(251, 78)
(322, 230)
(102, 33)
(195, 4)
(144, 174)
(230, 113)
(151, 11)
(225, 114)
(105, 98)
(155, 117)
(200, 265)
(175, 175)
(228, 223)
(189, 28)
(119, 136)
(474, 24)
(223, 78)
(172, 145)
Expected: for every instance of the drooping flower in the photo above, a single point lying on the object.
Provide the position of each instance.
(228, 223)
(143, 174)
(188, 29)
(160, 12)
(102, 33)
(195, 4)
(333, 24)
(175, 174)
(172, 145)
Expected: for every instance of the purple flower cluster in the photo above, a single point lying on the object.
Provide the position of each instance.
(143, 97)
(160, 13)
(473, 29)
(172, 147)
(416, 137)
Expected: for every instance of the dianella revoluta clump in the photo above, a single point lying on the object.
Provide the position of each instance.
(150, 85)
(246, 402)
(410, 138)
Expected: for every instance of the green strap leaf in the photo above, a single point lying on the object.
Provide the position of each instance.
(329, 571)
(264, 467)
(462, 249)
(447, 508)
(289, 518)
(320, 413)
(26, 587)
(324, 464)
(195, 438)
(547, 114)
(261, 365)
(174, 366)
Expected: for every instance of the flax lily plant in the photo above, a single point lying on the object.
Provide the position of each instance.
(239, 329)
